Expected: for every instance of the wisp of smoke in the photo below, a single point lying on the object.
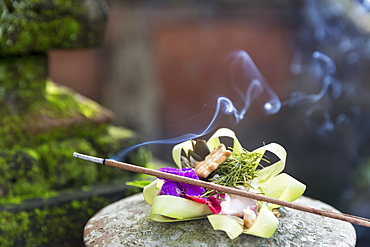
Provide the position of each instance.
(325, 69)
(249, 89)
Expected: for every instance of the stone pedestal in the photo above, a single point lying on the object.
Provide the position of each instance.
(126, 223)
(46, 195)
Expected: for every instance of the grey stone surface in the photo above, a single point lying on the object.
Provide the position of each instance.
(126, 223)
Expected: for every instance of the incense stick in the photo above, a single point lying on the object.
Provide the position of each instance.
(220, 188)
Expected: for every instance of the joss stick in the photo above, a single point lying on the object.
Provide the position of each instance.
(220, 188)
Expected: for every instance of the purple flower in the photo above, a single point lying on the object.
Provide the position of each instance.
(174, 188)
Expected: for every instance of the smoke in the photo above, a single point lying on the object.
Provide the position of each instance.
(333, 47)
(257, 87)
(323, 73)
(250, 86)
(324, 69)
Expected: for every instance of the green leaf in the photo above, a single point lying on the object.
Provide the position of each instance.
(150, 191)
(270, 171)
(167, 208)
(139, 183)
(274, 148)
(227, 224)
(176, 151)
(265, 224)
(214, 140)
(283, 187)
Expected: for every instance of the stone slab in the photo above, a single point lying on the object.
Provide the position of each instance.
(126, 223)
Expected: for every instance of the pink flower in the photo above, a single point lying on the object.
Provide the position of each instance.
(213, 202)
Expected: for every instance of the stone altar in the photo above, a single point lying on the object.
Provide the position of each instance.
(126, 223)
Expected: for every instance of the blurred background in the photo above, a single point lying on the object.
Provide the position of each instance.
(163, 64)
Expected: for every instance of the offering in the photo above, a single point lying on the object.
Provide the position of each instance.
(237, 190)
(232, 167)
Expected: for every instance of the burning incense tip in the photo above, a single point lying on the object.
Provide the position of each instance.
(89, 158)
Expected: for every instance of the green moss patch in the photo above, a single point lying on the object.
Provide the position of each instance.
(22, 82)
(48, 195)
(22, 175)
(42, 170)
(115, 141)
(37, 26)
(61, 115)
(49, 226)
(62, 169)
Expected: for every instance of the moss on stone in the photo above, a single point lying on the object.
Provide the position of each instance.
(57, 221)
(39, 123)
(60, 133)
(118, 139)
(49, 170)
(22, 175)
(37, 26)
(44, 138)
(22, 82)
(43, 124)
(50, 225)
(62, 169)
(54, 221)
(62, 102)
(42, 170)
